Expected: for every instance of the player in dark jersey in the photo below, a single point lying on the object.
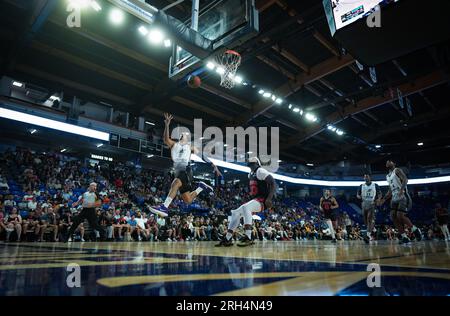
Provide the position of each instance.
(262, 189)
(442, 219)
(328, 205)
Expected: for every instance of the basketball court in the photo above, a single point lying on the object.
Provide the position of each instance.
(198, 268)
(86, 84)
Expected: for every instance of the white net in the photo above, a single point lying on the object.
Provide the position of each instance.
(228, 63)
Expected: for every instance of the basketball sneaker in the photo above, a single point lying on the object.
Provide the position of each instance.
(418, 234)
(245, 241)
(160, 210)
(366, 239)
(205, 187)
(225, 243)
(404, 240)
(67, 238)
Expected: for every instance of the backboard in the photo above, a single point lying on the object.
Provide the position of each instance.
(227, 23)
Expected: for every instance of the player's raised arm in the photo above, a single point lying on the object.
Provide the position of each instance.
(194, 150)
(167, 140)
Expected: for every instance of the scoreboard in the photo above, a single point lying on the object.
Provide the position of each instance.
(376, 31)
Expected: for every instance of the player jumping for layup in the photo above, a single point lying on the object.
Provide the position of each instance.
(181, 156)
(400, 201)
(369, 193)
(262, 189)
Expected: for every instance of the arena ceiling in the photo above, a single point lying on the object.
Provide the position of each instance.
(294, 55)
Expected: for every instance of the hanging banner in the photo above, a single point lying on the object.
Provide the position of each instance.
(373, 74)
(408, 107)
(400, 98)
(360, 66)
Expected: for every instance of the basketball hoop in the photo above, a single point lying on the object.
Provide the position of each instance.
(228, 63)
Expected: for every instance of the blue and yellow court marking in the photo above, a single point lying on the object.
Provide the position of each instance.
(198, 268)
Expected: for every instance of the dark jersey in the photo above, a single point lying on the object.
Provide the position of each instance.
(258, 184)
(326, 204)
(442, 216)
(441, 212)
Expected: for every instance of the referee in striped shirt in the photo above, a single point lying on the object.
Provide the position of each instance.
(89, 201)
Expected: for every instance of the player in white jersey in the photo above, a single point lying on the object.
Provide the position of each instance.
(400, 202)
(181, 156)
(370, 194)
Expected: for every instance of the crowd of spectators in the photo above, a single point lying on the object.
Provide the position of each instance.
(37, 192)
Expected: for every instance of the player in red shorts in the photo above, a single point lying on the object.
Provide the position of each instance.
(262, 189)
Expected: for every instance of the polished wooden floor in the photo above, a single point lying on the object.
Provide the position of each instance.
(199, 268)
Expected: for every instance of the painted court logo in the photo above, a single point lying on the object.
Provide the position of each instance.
(74, 277)
(374, 278)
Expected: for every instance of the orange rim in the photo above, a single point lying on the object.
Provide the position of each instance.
(232, 52)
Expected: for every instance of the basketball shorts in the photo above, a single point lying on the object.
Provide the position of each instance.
(330, 214)
(368, 206)
(402, 204)
(442, 220)
(186, 177)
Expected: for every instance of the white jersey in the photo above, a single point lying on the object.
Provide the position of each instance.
(369, 192)
(181, 155)
(89, 198)
(394, 181)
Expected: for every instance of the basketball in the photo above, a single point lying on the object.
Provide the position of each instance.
(194, 82)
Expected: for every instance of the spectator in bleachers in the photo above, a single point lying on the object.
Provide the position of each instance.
(170, 230)
(2, 224)
(120, 225)
(9, 202)
(13, 223)
(29, 224)
(3, 184)
(52, 223)
(41, 224)
(32, 204)
(152, 227)
(132, 224)
(65, 221)
(108, 221)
